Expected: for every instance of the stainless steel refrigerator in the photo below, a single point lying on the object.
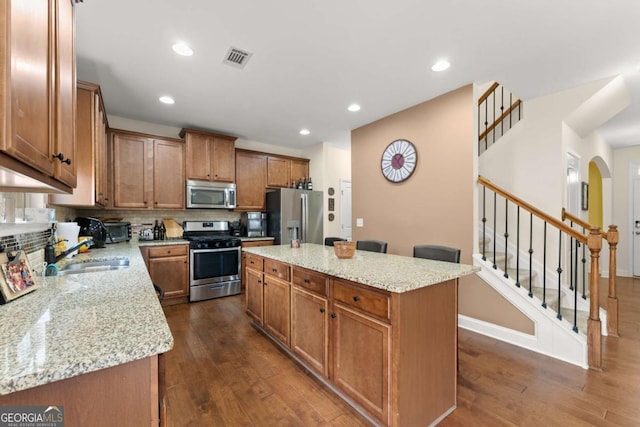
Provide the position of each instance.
(293, 213)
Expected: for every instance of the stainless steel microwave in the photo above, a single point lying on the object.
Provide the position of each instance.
(210, 195)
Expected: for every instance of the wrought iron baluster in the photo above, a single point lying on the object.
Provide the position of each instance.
(486, 124)
(501, 110)
(544, 267)
(518, 246)
(575, 292)
(495, 208)
(494, 116)
(584, 269)
(506, 237)
(530, 252)
(571, 284)
(484, 223)
(559, 316)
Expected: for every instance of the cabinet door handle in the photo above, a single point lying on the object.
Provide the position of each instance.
(356, 298)
(321, 310)
(275, 270)
(259, 281)
(60, 157)
(307, 281)
(333, 315)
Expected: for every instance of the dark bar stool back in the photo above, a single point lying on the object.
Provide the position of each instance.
(329, 241)
(437, 253)
(372, 246)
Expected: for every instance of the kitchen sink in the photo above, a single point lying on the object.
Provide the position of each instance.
(94, 265)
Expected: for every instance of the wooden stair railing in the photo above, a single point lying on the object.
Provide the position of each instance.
(611, 236)
(503, 111)
(592, 240)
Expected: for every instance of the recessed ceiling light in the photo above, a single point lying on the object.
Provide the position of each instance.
(305, 132)
(441, 65)
(167, 100)
(182, 49)
(353, 107)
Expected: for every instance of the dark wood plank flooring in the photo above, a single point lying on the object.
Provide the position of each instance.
(222, 372)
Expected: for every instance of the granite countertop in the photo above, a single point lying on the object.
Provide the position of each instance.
(80, 323)
(393, 273)
(162, 242)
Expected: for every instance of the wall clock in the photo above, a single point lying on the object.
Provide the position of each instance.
(399, 160)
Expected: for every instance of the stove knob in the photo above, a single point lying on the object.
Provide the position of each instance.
(218, 244)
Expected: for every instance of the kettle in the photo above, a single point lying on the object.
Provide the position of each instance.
(93, 227)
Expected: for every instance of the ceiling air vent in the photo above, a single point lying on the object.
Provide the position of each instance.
(236, 57)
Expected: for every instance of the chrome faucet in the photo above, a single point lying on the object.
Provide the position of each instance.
(53, 260)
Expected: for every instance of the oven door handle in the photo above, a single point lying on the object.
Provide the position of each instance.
(232, 249)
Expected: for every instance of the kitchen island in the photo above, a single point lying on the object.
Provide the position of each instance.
(89, 342)
(380, 330)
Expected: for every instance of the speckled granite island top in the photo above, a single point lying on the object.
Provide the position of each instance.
(393, 273)
(80, 323)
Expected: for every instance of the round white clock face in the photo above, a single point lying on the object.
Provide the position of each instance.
(399, 160)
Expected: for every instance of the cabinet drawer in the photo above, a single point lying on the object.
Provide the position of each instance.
(253, 261)
(277, 268)
(363, 299)
(164, 251)
(309, 280)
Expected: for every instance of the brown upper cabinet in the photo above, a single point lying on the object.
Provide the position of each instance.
(210, 156)
(91, 150)
(251, 180)
(283, 171)
(255, 171)
(278, 172)
(148, 172)
(299, 169)
(38, 112)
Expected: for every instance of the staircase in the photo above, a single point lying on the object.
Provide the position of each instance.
(549, 271)
(498, 111)
(560, 336)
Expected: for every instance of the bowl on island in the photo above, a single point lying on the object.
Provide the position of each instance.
(344, 249)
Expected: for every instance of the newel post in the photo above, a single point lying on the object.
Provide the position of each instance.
(612, 300)
(594, 335)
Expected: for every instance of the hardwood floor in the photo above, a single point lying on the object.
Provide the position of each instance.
(222, 372)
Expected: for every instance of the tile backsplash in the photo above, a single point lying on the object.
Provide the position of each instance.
(148, 217)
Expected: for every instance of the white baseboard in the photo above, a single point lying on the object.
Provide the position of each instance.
(520, 339)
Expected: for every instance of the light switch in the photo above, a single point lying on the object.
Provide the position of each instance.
(359, 222)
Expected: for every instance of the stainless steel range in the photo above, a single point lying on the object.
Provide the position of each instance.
(214, 260)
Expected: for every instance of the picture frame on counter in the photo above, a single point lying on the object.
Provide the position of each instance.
(18, 278)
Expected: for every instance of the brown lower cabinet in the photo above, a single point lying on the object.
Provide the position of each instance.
(168, 266)
(125, 395)
(391, 356)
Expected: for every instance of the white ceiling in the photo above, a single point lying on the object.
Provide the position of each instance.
(312, 58)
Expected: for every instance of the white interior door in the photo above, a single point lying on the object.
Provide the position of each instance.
(636, 227)
(345, 209)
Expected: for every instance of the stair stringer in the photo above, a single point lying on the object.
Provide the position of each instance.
(551, 337)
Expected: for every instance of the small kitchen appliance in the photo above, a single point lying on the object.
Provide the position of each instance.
(118, 231)
(93, 227)
(255, 223)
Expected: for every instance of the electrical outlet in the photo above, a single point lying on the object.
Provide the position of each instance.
(359, 222)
